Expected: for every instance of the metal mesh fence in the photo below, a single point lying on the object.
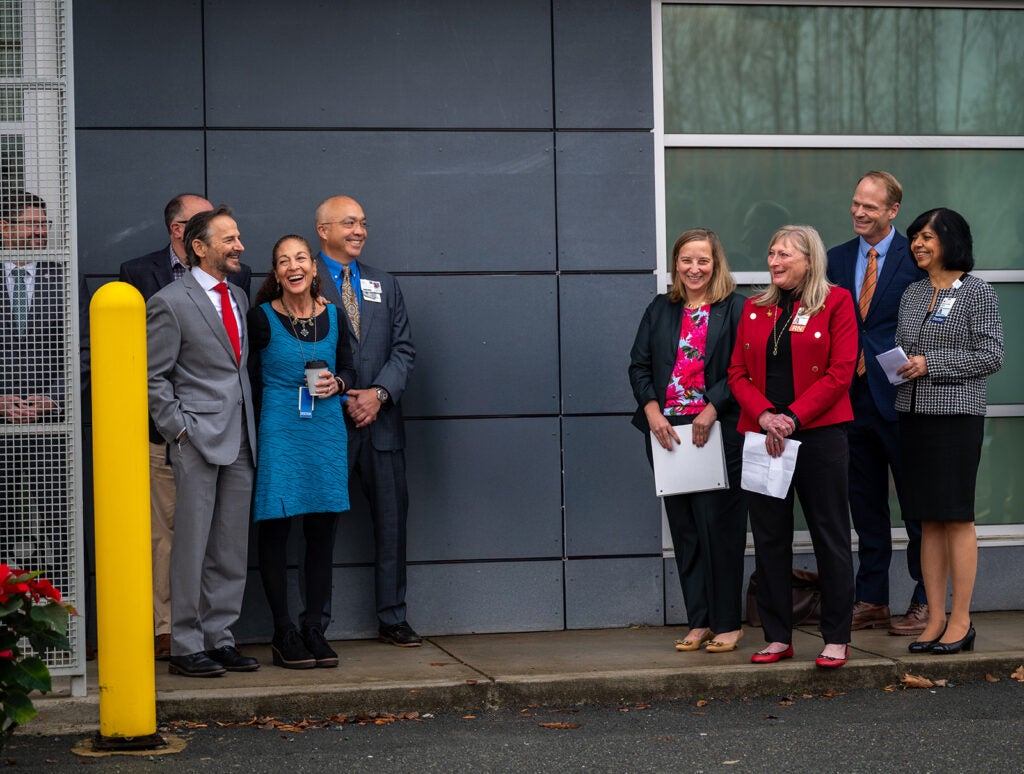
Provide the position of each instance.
(40, 470)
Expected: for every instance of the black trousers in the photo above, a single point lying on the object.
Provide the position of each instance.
(709, 533)
(820, 480)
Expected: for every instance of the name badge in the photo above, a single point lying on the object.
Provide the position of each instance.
(799, 323)
(945, 306)
(305, 403)
(370, 290)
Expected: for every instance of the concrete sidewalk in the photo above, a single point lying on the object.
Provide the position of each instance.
(474, 672)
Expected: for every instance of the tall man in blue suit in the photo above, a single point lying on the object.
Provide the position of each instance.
(148, 275)
(379, 333)
(201, 402)
(876, 266)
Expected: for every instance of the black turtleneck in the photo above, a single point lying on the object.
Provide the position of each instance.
(779, 368)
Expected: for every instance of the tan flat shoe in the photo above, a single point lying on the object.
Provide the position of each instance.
(723, 647)
(694, 644)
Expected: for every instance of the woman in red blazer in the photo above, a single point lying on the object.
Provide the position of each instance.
(791, 368)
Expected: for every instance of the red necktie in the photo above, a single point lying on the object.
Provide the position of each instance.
(230, 325)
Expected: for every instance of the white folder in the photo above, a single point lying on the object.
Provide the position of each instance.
(687, 468)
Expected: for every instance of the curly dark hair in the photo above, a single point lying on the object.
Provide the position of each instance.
(271, 289)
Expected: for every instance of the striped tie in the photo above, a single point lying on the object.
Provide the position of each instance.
(867, 292)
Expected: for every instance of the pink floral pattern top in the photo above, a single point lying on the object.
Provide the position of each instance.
(685, 393)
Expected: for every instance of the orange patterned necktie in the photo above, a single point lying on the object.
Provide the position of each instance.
(867, 292)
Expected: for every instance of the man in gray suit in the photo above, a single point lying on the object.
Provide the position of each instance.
(378, 329)
(200, 401)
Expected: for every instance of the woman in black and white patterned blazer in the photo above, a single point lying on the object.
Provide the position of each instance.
(950, 329)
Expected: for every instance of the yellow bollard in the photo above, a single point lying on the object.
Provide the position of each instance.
(124, 568)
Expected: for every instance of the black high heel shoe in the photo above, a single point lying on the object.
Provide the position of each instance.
(925, 646)
(966, 644)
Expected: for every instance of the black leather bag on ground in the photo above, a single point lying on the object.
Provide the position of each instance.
(806, 599)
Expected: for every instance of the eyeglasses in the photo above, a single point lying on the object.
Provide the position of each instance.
(346, 223)
(36, 224)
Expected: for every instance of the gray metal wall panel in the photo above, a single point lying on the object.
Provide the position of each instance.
(605, 201)
(484, 489)
(484, 345)
(603, 64)
(427, 63)
(435, 201)
(601, 593)
(138, 64)
(486, 597)
(610, 506)
(599, 316)
(124, 180)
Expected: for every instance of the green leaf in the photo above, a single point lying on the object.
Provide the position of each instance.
(54, 614)
(11, 605)
(34, 675)
(19, 709)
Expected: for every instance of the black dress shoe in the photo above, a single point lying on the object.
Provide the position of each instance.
(289, 651)
(400, 634)
(965, 644)
(233, 661)
(194, 665)
(315, 642)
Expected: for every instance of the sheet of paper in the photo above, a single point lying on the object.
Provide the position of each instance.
(763, 473)
(891, 362)
(687, 468)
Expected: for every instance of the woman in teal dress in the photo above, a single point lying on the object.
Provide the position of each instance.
(302, 442)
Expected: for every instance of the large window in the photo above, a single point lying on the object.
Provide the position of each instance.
(766, 114)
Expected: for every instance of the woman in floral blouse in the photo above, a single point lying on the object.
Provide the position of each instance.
(678, 371)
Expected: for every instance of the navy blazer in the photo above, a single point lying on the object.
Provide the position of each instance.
(653, 357)
(33, 363)
(384, 353)
(877, 332)
(152, 272)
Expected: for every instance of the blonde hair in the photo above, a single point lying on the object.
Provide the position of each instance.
(813, 290)
(721, 284)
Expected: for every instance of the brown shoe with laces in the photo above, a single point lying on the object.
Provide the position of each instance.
(913, 623)
(868, 616)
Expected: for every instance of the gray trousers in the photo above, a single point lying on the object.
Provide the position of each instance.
(210, 548)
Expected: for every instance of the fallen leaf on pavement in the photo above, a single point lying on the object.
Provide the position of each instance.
(941, 683)
(916, 681)
(991, 679)
(729, 763)
(702, 702)
(1018, 674)
(786, 702)
(469, 717)
(559, 725)
(441, 663)
(889, 688)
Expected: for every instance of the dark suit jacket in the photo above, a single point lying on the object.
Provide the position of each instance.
(33, 363)
(653, 357)
(152, 272)
(194, 381)
(877, 333)
(384, 353)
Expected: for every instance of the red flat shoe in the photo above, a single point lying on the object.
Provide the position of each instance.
(763, 657)
(830, 662)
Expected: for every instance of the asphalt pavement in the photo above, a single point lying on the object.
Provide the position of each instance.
(480, 672)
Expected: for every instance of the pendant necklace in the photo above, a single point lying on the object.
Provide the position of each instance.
(777, 337)
(303, 323)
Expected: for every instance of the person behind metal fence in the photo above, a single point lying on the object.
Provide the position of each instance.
(876, 267)
(950, 329)
(791, 369)
(378, 328)
(200, 401)
(33, 380)
(148, 274)
(300, 367)
(678, 372)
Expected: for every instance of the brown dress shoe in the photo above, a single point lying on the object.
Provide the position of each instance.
(868, 616)
(913, 623)
(162, 647)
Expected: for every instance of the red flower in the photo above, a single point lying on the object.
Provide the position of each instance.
(43, 588)
(7, 654)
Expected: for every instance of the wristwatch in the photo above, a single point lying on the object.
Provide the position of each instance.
(382, 394)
